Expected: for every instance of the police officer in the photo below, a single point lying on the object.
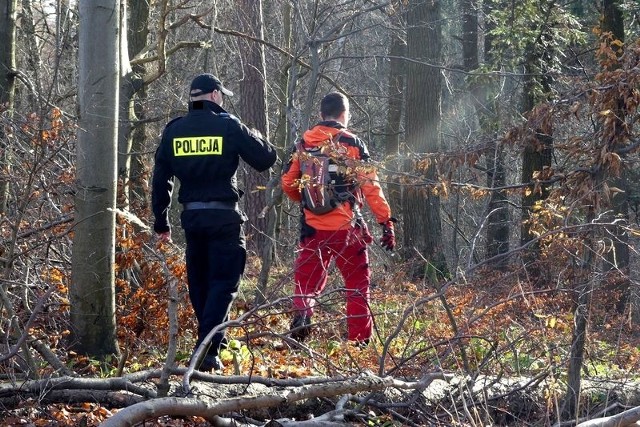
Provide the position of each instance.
(202, 150)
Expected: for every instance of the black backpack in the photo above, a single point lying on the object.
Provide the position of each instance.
(324, 182)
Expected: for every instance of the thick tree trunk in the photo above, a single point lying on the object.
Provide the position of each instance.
(538, 154)
(253, 106)
(535, 158)
(498, 217)
(395, 92)
(92, 291)
(421, 206)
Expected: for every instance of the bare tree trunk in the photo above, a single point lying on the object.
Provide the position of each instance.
(537, 155)
(7, 106)
(253, 106)
(33, 59)
(395, 92)
(130, 135)
(498, 215)
(92, 290)
(7, 87)
(137, 36)
(617, 257)
(274, 191)
(470, 55)
(534, 159)
(421, 208)
(586, 283)
(611, 21)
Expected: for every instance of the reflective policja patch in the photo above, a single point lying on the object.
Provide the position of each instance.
(197, 146)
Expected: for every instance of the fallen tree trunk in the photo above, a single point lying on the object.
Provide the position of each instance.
(623, 419)
(194, 407)
(176, 406)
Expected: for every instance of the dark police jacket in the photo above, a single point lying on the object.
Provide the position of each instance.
(202, 150)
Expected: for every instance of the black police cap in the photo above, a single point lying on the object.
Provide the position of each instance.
(206, 83)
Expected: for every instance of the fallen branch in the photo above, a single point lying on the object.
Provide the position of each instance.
(41, 387)
(623, 419)
(175, 406)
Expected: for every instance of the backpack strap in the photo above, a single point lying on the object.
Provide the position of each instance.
(336, 137)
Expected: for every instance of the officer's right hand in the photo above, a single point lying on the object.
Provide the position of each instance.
(164, 237)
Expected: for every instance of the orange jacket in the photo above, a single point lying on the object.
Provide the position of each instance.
(368, 184)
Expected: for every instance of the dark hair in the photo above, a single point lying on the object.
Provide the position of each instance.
(333, 104)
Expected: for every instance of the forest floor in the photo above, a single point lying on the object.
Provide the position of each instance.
(495, 324)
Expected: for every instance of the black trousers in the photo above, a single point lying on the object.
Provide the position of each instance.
(216, 257)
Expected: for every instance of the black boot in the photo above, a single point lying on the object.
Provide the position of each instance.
(361, 344)
(211, 363)
(300, 327)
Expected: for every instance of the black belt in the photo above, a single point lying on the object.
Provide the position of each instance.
(210, 205)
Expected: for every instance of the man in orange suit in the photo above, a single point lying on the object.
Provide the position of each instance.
(339, 234)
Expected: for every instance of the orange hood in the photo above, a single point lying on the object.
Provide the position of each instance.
(320, 134)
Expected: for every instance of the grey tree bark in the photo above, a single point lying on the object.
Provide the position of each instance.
(92, 290)
(7, 85)
(281, 140)
(130, 83)
(7, 102)
(137, 32)
(395, 90)
(253, 106)
(420, 205)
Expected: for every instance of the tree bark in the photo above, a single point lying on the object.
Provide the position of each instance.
(470, 57)
(421, 207)
(134, 18)
(617, 256)
(253, 106)
(176, 406)
(611, 21)
(537, 154)
(137, 40)
(498, 214)
(7, 86)
(92, 291)
(274, 191)
(395, 92)
(585, 284)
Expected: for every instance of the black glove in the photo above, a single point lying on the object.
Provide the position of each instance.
(388, 239)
